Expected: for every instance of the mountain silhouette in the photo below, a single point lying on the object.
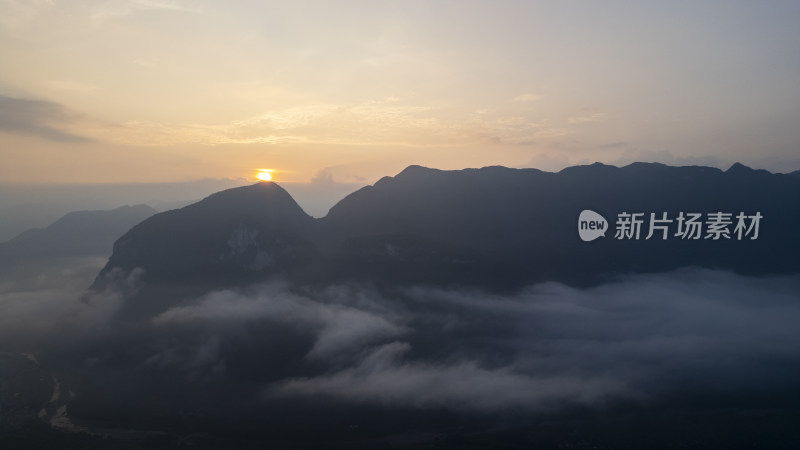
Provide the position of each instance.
(493, 228)
(79, 233)
(231, 237)
(518, 226)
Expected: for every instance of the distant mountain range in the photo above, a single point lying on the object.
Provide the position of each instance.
(77, 234)
(492, 228)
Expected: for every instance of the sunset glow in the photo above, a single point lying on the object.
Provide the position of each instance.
(119, 91)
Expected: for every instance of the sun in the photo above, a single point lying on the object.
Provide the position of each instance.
(264, 174)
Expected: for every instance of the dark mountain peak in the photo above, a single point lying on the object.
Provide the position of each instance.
(646, 167)
(410, 174)
(738, 167)
(595, 168)
(229, 236)
(491, 171)
(255, 198)
(264, 202)
(415, 169)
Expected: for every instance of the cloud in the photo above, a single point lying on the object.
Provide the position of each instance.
(48, 304)
(73, 86)
(119, 9)
(202, 362)
(339, 328)
(37, 118)
(325, 189)
(378, 122)
(323, 177)
(644, 338)
(620, 144)
(373, 122)
(382, 378)
(144, 63)
(526, 98)
(18, 14)
(513, 130)
(587, 115)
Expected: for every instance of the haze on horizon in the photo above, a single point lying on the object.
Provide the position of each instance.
(170, 91)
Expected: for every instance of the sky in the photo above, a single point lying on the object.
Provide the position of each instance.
(171, 91)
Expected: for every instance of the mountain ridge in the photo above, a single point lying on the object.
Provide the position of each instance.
(493, 227)
(215, 237)
(77, 233)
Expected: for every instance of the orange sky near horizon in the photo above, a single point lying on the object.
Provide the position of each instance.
(146, 91)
